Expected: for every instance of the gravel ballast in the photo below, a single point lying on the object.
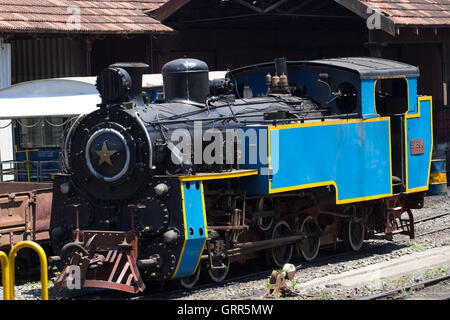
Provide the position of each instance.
(254, 287)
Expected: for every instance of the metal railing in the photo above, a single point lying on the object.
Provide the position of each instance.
(8, 275)
(36, 171)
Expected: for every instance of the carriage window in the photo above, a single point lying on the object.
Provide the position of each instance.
(391, 96)
(40, 132)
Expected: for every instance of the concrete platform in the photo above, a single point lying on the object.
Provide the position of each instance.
(387, 270)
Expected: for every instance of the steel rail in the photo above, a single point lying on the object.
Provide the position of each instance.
(161, 293)
(158, 293)
(263, 273)
(432, 217)
(421, 285)
(432, 231)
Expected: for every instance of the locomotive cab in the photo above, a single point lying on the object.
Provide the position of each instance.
(364, 88)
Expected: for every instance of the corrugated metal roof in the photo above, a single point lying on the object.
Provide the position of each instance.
(372, 68)
(97, 16)
(414, 12)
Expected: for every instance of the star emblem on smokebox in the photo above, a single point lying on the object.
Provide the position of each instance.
(105, 155)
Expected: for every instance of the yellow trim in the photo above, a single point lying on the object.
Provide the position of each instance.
(418, 189)
(185, 231)
(411, 116)
(438, 177)
(185, 227)
(217, 176)
(326, 123)
(331, 182)
(269, 157)
(5, 276)
(390, 156)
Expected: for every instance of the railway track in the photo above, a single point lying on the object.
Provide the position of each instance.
(158, 293)
(432, 231)
(431, 218)
(300, 265)
(266, 272)
(416, 286)
(174, 291)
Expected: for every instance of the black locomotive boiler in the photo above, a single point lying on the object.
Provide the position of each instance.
(214, 173)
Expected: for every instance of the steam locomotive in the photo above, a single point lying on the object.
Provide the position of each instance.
(275, 160)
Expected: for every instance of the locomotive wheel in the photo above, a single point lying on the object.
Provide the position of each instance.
(281, 255)
(265, 223)
(68, 249)
(310, 246)
(353, 235)
(190, 281)
(218, 275)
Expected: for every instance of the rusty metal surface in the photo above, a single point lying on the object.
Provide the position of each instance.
(94, 16)
(417, 146)
(25, 210)
(108, 261)
(42, 214)
(10, 187)
(414, 12)
(277, 286)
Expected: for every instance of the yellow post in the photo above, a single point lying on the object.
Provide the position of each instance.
(42, 258)
(28, 165)
(28, 160)
(5, 276)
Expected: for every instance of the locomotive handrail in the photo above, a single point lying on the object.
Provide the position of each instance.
(43, 260)
(334, 116)
(5, 276)
(66, 140)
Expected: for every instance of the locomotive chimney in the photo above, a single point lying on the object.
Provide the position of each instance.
(122, 82)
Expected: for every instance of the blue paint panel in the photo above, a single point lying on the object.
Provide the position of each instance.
(195, 227)
(412, 95)
(253, 150)
(368, 98)
(355, 156)
(419, 164)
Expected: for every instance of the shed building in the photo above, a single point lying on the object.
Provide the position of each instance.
(232, 33)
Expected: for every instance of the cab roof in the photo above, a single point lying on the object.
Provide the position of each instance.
(371, 68)
(365, 67)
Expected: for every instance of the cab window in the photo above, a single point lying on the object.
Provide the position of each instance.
(391, 96)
